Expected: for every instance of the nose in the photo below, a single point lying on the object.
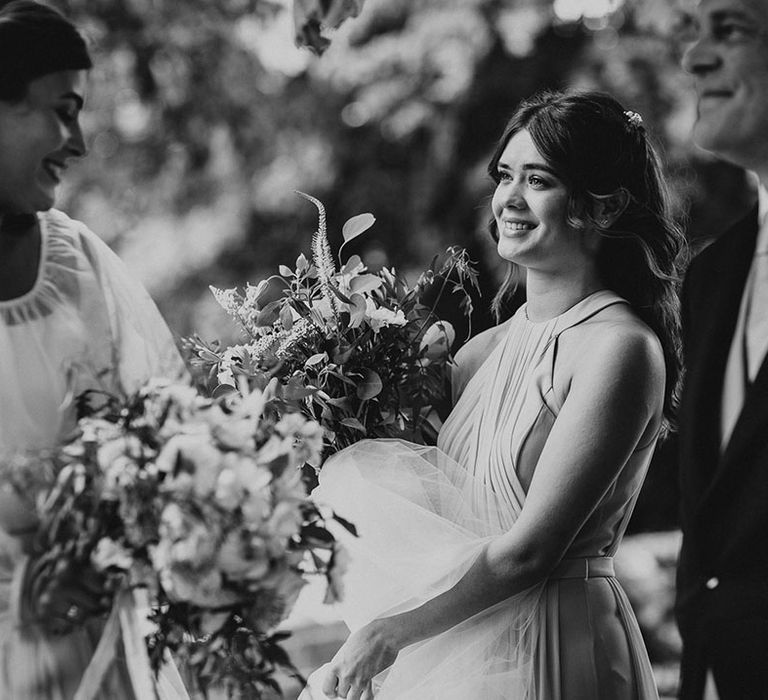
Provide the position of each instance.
(510, 194)
(75, 144)
(701, 56)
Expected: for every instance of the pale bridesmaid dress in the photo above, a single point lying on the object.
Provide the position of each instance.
(424, 514)
(85, 324)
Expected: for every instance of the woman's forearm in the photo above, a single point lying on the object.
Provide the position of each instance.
(496, 575)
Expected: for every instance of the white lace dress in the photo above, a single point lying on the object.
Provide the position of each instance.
(85, 324)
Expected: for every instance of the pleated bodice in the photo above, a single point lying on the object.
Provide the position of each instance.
(504, 415)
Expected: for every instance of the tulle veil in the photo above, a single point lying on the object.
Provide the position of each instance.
(422, 520)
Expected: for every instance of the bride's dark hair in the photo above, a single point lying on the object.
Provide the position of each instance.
(36, 40)
(600, 149)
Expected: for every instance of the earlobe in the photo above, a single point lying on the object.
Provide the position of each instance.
(609, 207)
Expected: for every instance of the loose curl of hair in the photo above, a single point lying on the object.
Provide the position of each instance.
(36, 40)
(599, 151)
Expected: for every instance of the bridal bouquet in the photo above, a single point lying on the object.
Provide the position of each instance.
(199, 502)
(359, 352)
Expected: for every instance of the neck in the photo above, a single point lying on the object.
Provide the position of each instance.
(549, 295)
(16, 224)
(20, 248)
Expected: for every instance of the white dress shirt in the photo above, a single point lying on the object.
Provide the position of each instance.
(750, 339)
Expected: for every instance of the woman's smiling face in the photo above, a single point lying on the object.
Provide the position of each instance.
(530, 207)
(39, 135)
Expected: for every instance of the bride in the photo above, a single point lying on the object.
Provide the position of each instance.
(71, 318)
(484, 567)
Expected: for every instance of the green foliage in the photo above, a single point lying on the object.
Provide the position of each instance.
(359, 352)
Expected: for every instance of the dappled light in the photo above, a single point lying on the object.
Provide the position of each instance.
(203, 119)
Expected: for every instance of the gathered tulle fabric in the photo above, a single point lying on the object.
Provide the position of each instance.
(422, 520)
(85, 324)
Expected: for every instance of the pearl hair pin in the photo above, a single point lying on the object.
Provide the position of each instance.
(633, 118)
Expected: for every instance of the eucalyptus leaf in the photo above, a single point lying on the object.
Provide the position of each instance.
(341, 402)
(353, 423)
(339, 293)
(223, 390)
(341, 356)
(354, 227)
(357, 308)
(362, 284)
(316, 359)
(370, 386)
(286, 317)
(269, 314)
(296, 391)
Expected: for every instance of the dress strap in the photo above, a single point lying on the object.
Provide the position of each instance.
(584, 567)
(587, 308)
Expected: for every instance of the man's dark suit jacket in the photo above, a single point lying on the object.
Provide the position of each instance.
(723, 569)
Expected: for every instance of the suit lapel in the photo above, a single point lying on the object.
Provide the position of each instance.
(752, 423)
(713, 296)
(750, 418)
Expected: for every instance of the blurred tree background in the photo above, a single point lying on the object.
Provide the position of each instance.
(203, 118)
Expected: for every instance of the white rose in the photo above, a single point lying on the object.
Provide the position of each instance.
(108, 554)
(379, 317)
(437, 340)
(229, 490)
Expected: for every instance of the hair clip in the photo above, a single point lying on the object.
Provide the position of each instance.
(633, 118)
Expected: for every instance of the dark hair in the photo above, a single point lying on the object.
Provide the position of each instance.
(599, 149)
(36, 40)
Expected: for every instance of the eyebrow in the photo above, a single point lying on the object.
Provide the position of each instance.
(531, 166)
(723, 15)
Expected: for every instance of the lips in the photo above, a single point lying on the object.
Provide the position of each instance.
(516, 225)
(715, 93)
(54, 169)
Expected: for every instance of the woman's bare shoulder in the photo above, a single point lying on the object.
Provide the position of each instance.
(614, 341)
(618, 327)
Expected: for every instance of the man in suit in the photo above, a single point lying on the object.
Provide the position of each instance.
(722, 585)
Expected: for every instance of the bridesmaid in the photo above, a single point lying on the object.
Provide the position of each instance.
(71, 318)
(484, 568)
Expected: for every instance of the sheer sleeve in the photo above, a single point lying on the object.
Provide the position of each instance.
(142, 344)
(86, 324)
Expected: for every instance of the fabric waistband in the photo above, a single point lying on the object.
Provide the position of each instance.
(584, 567)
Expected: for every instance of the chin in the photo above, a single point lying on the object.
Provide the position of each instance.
(709, 135)
(508, 252)
(43, 202)
(718, 137)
